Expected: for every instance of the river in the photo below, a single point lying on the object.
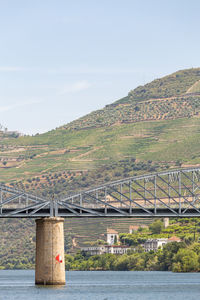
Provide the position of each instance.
(19, 284)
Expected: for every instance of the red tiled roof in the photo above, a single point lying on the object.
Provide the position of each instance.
(111, 231)
(134, 227)
(174, 239)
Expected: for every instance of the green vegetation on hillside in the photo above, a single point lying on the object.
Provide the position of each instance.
(62, 183)
(195, 88)
(170, 97)
(162, 109)
(77, 151)
(169, 86)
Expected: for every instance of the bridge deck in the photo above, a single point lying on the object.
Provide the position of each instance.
(100, 213)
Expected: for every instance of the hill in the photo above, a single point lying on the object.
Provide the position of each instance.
(149, 124)
(154, 127)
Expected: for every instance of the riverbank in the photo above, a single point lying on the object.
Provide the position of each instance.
(175, 257)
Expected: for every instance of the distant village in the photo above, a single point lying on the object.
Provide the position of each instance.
(4, 132)
(5, 159)
(113, 245)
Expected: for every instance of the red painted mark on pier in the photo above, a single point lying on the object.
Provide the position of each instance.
(59, 258)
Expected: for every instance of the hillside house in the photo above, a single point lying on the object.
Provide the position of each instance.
(94, 250)
(113, 249)
(155, 244)
(112, 236)
(117, 249)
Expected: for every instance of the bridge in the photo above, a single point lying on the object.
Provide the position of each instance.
(174, 193)
(166, 194)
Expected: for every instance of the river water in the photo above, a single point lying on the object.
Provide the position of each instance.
(19, 284)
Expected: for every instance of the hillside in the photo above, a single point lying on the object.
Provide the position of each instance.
(149, 124)
(79, 151)
(154, 127)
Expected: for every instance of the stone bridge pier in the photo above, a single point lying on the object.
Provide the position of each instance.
(50, 263)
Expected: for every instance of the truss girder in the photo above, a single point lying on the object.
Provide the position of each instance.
(165, 194)
(169, 193)
(15, 203)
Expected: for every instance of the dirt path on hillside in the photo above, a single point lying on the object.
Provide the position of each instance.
(85, 154)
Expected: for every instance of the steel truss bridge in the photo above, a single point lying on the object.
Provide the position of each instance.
(166, 194)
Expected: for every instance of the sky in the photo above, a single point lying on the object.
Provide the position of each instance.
(61, 59)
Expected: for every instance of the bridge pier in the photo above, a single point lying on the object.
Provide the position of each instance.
(50, 263)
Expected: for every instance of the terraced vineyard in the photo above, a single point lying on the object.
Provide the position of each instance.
(173, 96)
(153, 109)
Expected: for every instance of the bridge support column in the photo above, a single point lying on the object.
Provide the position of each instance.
(50, 263)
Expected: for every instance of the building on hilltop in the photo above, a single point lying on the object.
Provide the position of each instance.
(112, 236)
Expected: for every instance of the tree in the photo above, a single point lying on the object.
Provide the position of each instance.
(136, 262)
(122, 263)
(185, 260)
(156, 227)
(165, 256)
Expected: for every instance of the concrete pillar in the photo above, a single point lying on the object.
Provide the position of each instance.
(49, 269)
(166, 222)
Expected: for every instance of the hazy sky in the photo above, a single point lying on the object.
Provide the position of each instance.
(61, 59)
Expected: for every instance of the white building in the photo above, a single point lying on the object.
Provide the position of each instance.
(94, 250)
(113, 249)
(112, 236)
(154, 244)
(116, 249)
